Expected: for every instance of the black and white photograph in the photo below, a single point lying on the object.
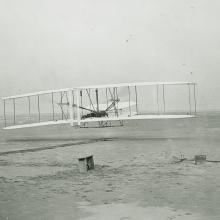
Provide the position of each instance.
(110, 110)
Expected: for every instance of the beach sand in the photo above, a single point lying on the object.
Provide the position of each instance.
(134, 175)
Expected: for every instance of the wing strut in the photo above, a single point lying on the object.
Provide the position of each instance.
(52, 105)
(14, 109)
(106, 95)
(70, 106)
(97, 99)
(116, 91)
(61, 101)
(81, 101)
(38, 106)
(5, 114)
(195, 97)
(29, 107)
(77, 103)
(190, 109)
(129, 99)
(164, 104)
(136, 99)
(158, 107)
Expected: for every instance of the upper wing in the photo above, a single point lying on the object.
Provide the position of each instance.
(118, 85)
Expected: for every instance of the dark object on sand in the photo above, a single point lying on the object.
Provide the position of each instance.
(200, 159)
(177, 159)
(86, 163)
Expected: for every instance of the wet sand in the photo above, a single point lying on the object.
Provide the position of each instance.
(134, 176)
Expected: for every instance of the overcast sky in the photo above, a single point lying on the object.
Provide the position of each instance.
(51, 44)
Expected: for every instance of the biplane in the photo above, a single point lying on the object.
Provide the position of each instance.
(100, 105)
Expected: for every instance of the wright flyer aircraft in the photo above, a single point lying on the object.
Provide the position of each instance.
(101, 105)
